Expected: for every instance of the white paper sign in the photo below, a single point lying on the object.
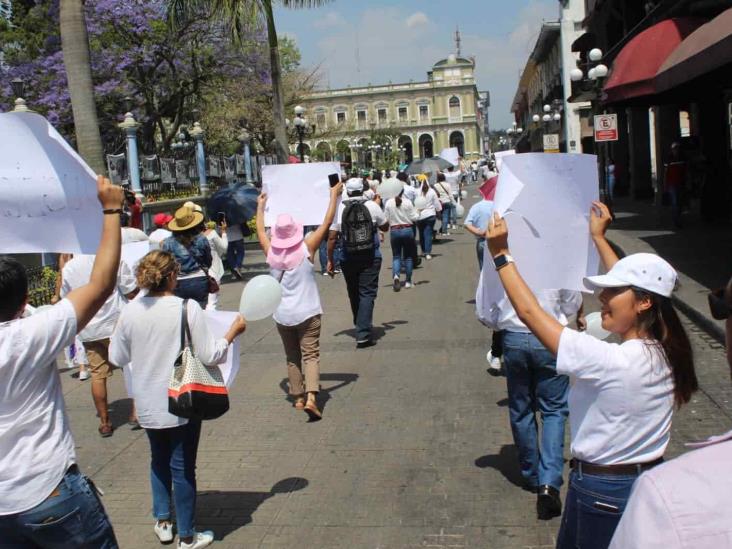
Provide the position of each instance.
(501, 156)
(48, 195)
(219, 323)
(546, 200)
(452, 155)
(301, 190)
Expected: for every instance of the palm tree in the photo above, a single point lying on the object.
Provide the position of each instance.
(75, 46)
(238, 15)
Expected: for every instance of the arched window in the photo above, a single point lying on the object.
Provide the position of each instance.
(454, 105)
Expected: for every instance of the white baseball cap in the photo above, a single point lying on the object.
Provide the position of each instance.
(646, 271)
(355, 184)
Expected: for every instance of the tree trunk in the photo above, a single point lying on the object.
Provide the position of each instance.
(75, 47)
(278, 100)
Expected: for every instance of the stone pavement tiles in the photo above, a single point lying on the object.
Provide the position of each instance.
(414, 450)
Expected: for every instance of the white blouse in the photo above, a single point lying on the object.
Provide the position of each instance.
(404, 215)
(427, 204)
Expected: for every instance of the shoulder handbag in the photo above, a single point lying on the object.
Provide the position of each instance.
(195, 391)
(213, 285)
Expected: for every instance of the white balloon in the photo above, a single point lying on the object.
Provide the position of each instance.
(459, 210)
(260, 298)
(594, 326)
(463, 194)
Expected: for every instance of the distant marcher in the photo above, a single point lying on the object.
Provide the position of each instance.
(361, 259)
(219, 245)
(236, 250)
(444, 194)
(290, 255)
(401, 215)
(453, 178)
(158, 236)
(148, 339)
(428, 205)
(192, 252)
(674, 180)
(45, 501)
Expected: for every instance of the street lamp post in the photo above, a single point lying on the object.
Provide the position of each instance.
(197, 133)
(129, 125)
(245, 139)
(300, 125)
(18, 86)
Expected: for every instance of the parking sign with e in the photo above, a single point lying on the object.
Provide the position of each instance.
(606, 127)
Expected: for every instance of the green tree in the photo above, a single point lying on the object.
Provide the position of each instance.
(75, 47)
(239, 16)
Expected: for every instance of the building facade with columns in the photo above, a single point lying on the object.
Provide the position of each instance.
(413, 120)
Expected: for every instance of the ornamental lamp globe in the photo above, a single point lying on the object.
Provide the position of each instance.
(576, 75)
(595, 54)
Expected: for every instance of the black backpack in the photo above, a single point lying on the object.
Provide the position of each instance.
(357, 228)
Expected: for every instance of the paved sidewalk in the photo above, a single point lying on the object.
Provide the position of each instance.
(414, 450)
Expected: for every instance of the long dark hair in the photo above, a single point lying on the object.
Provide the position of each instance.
(398, 199)
(425, 187)
(189, 235)
(661, 323)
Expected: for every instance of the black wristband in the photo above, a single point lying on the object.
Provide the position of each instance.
(112, 211)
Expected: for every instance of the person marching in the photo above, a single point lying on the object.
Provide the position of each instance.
(427, 205)
(291, 256)
(445, 195)
(219, 246)
(622, 396)
(401, 215)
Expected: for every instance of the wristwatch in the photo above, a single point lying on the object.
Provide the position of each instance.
(502, 260)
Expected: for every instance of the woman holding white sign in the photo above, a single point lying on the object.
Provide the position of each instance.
(622, 396)
(290, 255)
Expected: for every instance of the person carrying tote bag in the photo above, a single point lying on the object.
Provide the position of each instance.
(147, 339)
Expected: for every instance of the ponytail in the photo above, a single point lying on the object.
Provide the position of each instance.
(398, 199)
(662, 323)
(425, 187)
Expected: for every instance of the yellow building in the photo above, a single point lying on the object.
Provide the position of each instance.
(412, 120)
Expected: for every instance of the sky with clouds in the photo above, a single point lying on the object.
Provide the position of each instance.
(355, 42)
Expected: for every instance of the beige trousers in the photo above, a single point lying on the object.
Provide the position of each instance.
(302, 349)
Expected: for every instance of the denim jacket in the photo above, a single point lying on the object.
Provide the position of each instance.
(198, 256)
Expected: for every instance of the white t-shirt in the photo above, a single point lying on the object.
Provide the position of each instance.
(405, 215)
(147, 342)
(561, 304)
(377, 214)
(130, 234)
(36, 445)
(427, 204)
(300, 295)
(157, 237)
(621, 398)
(410, 192)
(453, 179)
(77, 273)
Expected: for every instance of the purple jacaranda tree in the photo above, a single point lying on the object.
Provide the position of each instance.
(138, 63)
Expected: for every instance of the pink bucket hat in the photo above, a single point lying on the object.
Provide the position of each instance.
(285, 251)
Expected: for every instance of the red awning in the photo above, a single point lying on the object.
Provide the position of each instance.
(635, 67)
(704, 50)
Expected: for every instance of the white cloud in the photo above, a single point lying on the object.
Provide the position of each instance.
(417, 19)
(330, 20)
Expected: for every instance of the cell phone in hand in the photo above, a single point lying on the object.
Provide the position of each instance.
(222, 217)
(334, 179)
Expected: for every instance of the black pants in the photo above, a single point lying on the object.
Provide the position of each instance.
(362, 282)
(497, 344)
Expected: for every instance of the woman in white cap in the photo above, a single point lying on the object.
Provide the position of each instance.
(192, 252)
(290, 255)
(622, 396)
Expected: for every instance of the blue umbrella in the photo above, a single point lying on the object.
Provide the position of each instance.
(238, 203)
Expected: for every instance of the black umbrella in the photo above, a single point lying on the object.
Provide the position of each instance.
(428, 165)
(238, 203)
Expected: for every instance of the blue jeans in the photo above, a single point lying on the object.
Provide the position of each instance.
(534, 386)
(362, 283)
(173, 467)
(593, 509)
(235, 254)
(73, 518)
(445, 217)
(195, 288)
(480, 249)
(426, 228)
(403, 244)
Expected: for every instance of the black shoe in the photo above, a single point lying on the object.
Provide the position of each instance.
(548, 502)
(397, 284)
(365, 343)
(236, 274)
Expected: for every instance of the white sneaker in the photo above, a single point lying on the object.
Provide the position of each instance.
(407, 285)
(200, 540)
(494, 362)
(83, 376)
(428, 257)
(164, 531)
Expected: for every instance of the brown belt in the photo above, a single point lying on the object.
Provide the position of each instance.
(615, 470)
(401, 226)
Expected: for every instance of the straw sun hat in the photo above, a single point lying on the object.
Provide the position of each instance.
(185, 218)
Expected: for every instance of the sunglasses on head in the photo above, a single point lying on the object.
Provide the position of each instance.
(718, 305)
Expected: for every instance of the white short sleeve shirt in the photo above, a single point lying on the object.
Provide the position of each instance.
(36, 446)
(377, 214)
(620, 398)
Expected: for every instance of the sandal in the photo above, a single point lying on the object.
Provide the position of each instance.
(105, 430)
(311, 409)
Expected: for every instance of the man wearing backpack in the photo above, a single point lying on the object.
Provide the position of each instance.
(361, 259)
